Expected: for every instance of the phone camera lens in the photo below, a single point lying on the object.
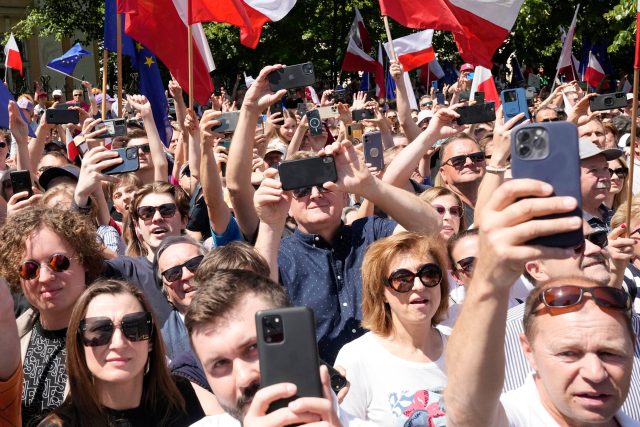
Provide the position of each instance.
(523, 136)
(307, 68)
(524, 150)
(608, 101)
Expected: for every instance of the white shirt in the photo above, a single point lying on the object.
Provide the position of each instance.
(219, 420)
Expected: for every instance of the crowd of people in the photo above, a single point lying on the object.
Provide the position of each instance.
(131, 299)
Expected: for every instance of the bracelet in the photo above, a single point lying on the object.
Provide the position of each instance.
(493, 169)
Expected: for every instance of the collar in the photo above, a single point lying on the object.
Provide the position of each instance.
(342, 234)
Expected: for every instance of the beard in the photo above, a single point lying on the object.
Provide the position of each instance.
(240, 409)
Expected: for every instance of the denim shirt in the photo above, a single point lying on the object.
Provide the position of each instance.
(326, 277)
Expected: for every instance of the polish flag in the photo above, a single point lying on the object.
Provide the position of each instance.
(356, 57)
(483, 82)
(594, 73)
(478, 27)
(12, 55)
(249, 15)
(72, 150)
(636, 63)
(413, 50)
(360, 33)
(380, 74)
(566, 62)
(431, 72)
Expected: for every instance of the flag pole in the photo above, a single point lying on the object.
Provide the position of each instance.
(388, 30)
(119, 48)
(68, 75)
(634, 120)
(190, 52)
(105, 60)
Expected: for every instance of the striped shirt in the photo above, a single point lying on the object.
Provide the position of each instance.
(517, 368)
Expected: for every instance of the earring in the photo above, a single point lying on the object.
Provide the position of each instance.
(146, 368)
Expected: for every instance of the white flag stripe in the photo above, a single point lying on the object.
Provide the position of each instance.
(499, 12)
(198, 34)
(412, 43)
(272, 9)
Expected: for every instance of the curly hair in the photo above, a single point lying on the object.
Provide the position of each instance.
(70, 226)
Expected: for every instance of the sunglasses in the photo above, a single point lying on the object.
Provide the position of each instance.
(167, 210)
(466, 265)
(30, 269)
(175, 273)
(598, 238)
(453, 210)
(144, 148)
(426, 104)
(556, 119)
(571, 295)
(459, 161)
(305, 191)
(402, 279)
(97, 331)
(620, 172)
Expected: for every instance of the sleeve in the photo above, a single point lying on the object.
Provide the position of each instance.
(383, 227)
(10, 399)
(355, 402)
(111, 239)
(231, 234)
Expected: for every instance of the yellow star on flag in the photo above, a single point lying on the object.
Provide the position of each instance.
(149, 61)
(139, 46)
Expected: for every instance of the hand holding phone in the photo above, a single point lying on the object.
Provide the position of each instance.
(309, 172)
(293, 76)
(21, 181)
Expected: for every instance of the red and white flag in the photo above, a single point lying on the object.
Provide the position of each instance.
(431, 72)
(594, 73)
(356, 57)
(381, 90)
(483, 82)
(636, 62)
(72, 150)
(249, 15)
(12, 57)
(413, 50)
(478, 27)
(566, 63)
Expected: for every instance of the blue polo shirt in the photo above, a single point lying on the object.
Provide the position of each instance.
(326, 277)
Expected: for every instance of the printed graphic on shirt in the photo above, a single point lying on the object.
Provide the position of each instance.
(423, 408)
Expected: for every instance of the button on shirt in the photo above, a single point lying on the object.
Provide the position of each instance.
(326, 277)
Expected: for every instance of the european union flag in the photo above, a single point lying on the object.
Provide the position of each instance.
(67, 62)
(390, 89)
(111, 32)
(5, 97)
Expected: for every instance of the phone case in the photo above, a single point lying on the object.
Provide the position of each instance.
(299, 75)
(608, 102)
(514, 102)
(560, 168)
(294, 358)
(373, 150)
(328, 111)
(307, 172)
(315, 124)
(354, 132)
(477, 113)
(363, 114)
(62, 117)
(21, 181)
(228, 122)
(116, 127)
(130, 161)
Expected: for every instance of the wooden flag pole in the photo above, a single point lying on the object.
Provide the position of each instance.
(190, 53)
(632, 154)
(388, 30)
(119, 45)
(105, 61)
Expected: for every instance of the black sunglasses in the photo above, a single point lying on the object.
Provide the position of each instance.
(620, 172)
(556, 119)
(571, 295)
(598, 238)
(97, 331)
(459, 161)
(402, 279)
(144, 148)
(466, 265)
(175, 273)
(305, 191)
(30, 269)
(167, 210)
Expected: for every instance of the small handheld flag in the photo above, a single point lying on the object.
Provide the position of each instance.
(12, 55)
(66, 64)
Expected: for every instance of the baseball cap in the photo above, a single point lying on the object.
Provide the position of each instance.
(588, 149)
(467, 67)
(56, 92)
(69, 171)
(424, 114)
(25, 104)
(276, 145)
(99, 98)
(40, 93)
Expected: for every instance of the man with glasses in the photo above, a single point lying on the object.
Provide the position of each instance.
(578, 336)
(546, 114)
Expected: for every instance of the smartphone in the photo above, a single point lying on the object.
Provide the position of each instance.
(373, 150)
(434, 85)
(21, 181)
(307, 172)
(514, 102)
(226, 143)
(115, 127)
(340, 95)
(276, 107)
(363, 114)
(228, 122)
(67, 105)
(354, 133)
(464, 95)
(130, 161)
(477, 113)
(56, 116)
(315, 123)
(328, 111)
(288, 352)
(302, 108)
(549, 152)
(609, 101)
(440, 98)
(293, 76)
(338, 381)
(479, 97)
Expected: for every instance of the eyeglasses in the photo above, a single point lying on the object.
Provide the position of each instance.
(77, 94)
(167, 210)
(426, 104)
(466, 265)
(571, 295)
(175, 273)
(30, 269)
(459, 161)
(598, 238)
(144, 148)
(402, 279)
(620, 172)
(554, 119)
(97, 331)
(453, 210)
(305, 191)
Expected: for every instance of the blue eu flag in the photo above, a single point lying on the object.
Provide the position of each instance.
(5, 97)
(67, 62)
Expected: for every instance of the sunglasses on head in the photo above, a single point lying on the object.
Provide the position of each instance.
(167, 210)
(453, 210)
(402, 279)
(571, 295)
(97, 331)
(175, 273)
(459, 161)
(620, 172)
(30, 269)
(305, 191)
(466, 265)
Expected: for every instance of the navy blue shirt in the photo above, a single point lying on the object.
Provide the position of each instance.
(326, 277)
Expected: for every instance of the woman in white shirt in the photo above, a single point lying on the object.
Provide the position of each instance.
(396, 371)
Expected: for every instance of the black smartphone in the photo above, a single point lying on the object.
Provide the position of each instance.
(609, 101)
(373, 149)
(217, 84)
(315, 123)
(549, 152)
(307, 172)
(434, 85)
(478, 97)
(228, 122)
(363, 114)
(302, 108)
(464, 95)
(288, 352)
(440, 98)
(115, 127)
(276, 107)
(338, 381)
(21, 181)
(354, 133)
(67, 105)
(293, 76)
(340, 95)
(130, 161)
(477, 113)
(55, 116)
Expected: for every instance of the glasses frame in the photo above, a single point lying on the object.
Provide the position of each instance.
(124, 325)
(66, 264)
(593, 291)
(465, 265)
(170, 213)
(191, 264)
(444, 210)
(299, 193)
(620, 172)
(410, 282)
(458, 162)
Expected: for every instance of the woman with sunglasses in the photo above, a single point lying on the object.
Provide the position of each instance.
(618, 190)
(449, 205)
(396, 371)
(116, 365)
